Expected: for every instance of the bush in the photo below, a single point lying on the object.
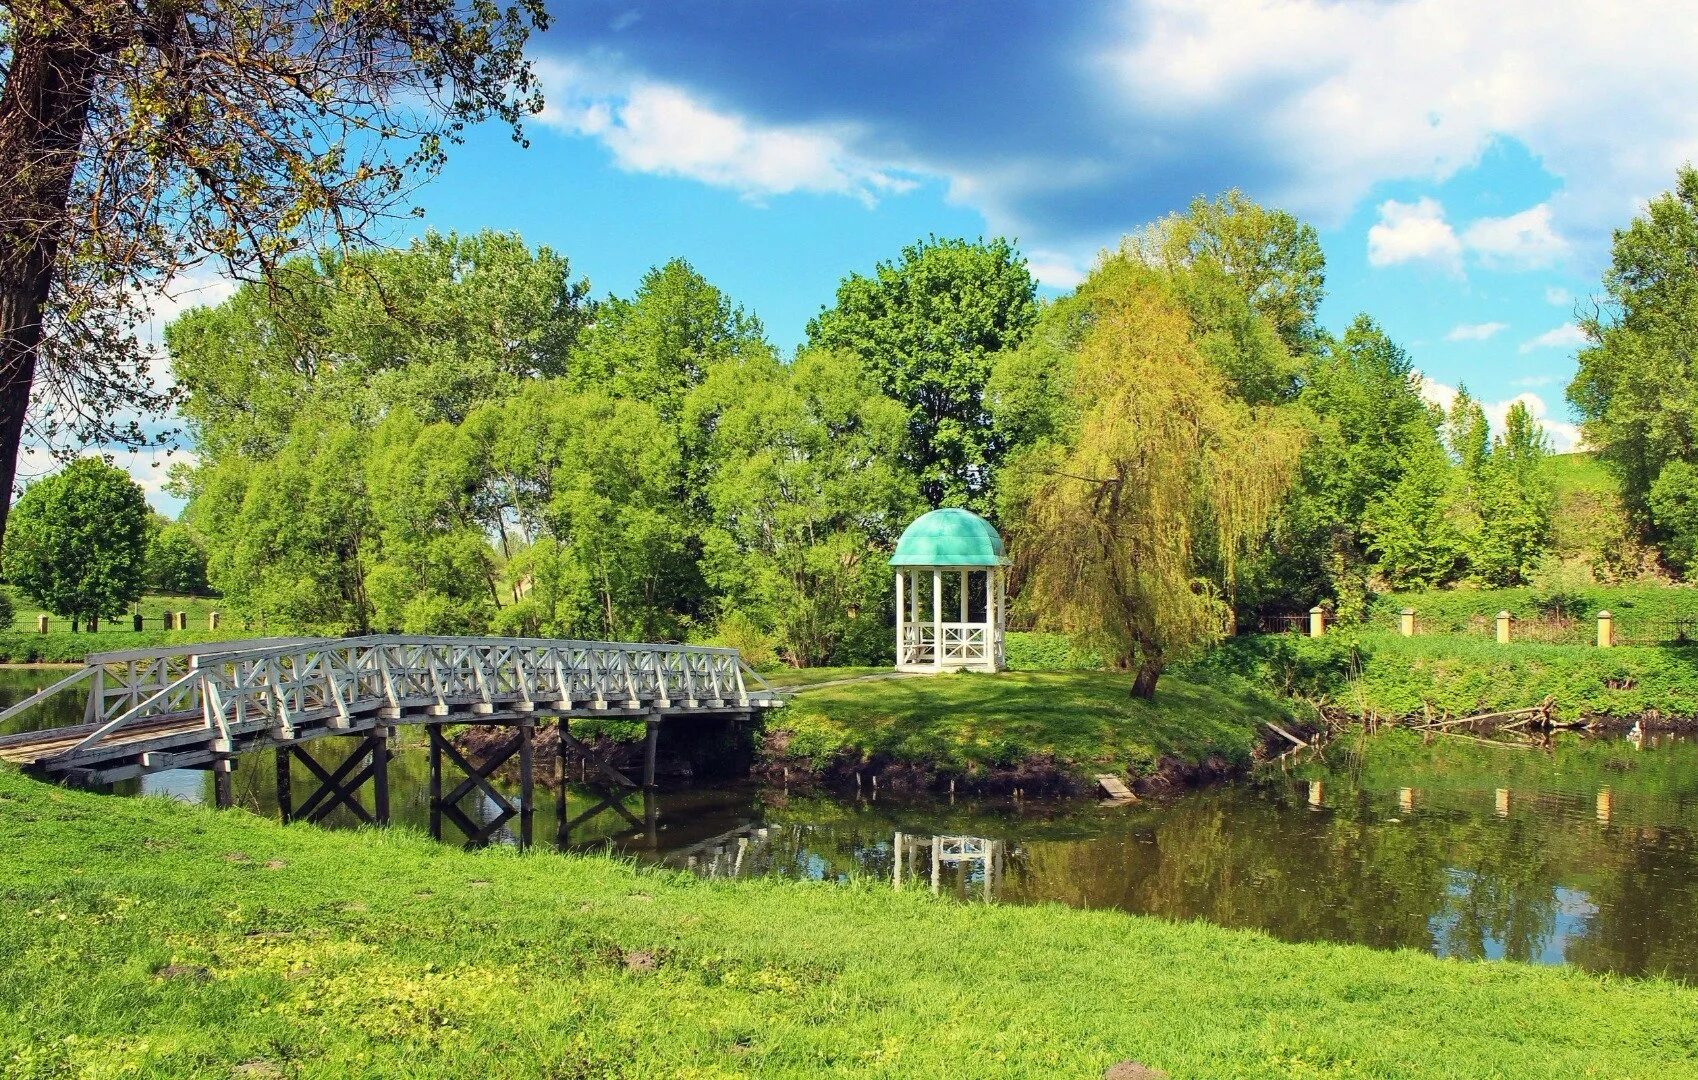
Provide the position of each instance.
(1302, 667)
(1047, 652)
(738, 631)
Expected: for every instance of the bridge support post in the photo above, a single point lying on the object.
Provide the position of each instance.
(285, 787)
(651, 742)
(477, 779)
(223, 788)
(341, 787)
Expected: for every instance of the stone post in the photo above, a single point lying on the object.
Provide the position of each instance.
(1504, 620)
(212, 621)
(136, 622)
(1406, 622)
(1317, 621)
(168, 620)
(1606, 630)
(41, 624)
(182, 620)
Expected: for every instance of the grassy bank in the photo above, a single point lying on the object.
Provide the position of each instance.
(1082, 721)
(1383, 674)
(142, 937)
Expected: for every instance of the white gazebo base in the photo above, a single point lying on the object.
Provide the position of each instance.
(932, 646)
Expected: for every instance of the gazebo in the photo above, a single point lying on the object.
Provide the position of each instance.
(958, 561)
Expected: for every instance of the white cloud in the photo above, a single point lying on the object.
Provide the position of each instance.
(1564, 435)
(1344, 96)
(654, 127)
(1056, 269)
(1557, 295)
(1536, 380)
(1566, 336)
(1475, 331)
(1413, 232)
(150, 468)
(1523, 240)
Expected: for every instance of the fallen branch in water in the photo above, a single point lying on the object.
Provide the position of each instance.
(1301, 744)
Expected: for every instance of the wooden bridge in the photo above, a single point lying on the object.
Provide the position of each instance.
(200, 706)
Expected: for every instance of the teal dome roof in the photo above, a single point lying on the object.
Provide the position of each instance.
(949, 537)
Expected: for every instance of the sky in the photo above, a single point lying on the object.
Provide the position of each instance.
(1464, 163)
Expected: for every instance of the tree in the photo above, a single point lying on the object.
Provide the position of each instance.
(176, 562)
(139, 138)
(1275, 260)
(1516, 503)
(807, 489)
(1637, 386)
(1369, 423)
(929, 327)
(1408, 529)
(1673, 502)
(1133, 533)
(77, 541)
(433, 328)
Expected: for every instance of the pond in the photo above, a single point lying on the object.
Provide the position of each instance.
(1586, 856)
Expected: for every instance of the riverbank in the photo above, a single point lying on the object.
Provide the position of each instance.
(1039, 732)
(1385, 676)
(206, 944)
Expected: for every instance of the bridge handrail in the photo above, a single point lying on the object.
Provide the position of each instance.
(225, 673)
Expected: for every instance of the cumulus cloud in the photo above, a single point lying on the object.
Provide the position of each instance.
(655, 127)
(1413, 232)
(1564, 436)
(1344, 96)
(1566, 336)
(1557, 295)
(1525, 240)
(1475, 331)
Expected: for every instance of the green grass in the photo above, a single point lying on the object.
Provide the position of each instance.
(1453, 610)
(1579, 472)
(788, 678)
(1085, 721)
(1386, 675)
(145, 938)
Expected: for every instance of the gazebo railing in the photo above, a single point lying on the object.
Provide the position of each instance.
(962, 643)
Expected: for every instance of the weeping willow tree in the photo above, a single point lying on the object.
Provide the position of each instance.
(1133, 522)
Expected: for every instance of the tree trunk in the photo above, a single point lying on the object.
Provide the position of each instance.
(43, 110)
(1144, 682)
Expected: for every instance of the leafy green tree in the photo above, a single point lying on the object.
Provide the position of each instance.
(586, 483)
(1673, 502)
(139, 138)
(1516, 504)
(1408, 529)
(290, 537)
(1637, 387)
(1369, 422)
(929, 327)
(1135, 525)
(1274, 260)
(665, 340)
(1466, 433)
(433, 328)
(176, 562)
(77, 541)
(807, 491)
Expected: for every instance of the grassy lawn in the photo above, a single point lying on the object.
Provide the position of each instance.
(1452, 610)
(788, 678)
(1579, 472)
(146, 938)
(1085, 720)
(1387, 675)
(22, 644)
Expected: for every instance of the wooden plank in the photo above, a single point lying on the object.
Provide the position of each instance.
(1115, 787)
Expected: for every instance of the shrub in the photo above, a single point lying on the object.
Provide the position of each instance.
(1047, 652)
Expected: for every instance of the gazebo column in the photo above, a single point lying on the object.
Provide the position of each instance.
(937, 618)
(901, 628)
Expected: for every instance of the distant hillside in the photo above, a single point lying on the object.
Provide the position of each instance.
(1590, 526)
(1580, 472)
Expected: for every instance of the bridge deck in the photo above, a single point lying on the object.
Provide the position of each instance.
(150, 710)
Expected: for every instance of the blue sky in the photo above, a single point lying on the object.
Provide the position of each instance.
(1464, 163)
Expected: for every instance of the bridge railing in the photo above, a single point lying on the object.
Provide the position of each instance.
(282, 684)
